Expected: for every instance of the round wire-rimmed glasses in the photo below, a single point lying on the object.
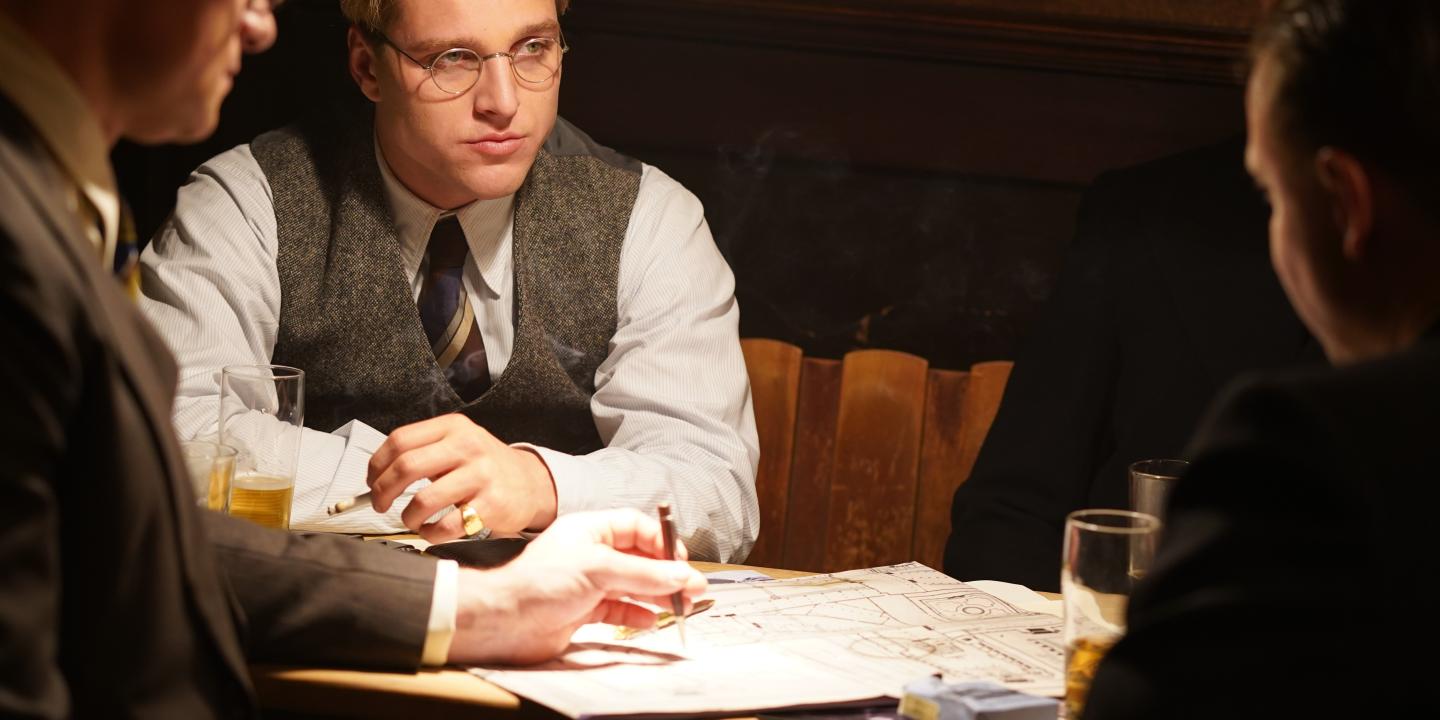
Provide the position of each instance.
(533, 60)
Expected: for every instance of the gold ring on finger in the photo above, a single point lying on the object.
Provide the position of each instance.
(474, 527)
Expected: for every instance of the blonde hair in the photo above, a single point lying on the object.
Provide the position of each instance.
(377, 14)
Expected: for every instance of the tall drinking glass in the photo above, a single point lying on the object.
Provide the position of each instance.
(1150, 484)
(1106, 551)
(212, 468)
(262, 414)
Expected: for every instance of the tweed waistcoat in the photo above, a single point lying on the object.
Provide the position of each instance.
(348, 316)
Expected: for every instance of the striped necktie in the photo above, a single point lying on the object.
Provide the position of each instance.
(127, 253)
(446, 314)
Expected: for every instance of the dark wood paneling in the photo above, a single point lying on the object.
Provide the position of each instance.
(913, 201)
(661, 94)
(832, 257)
(1166, 39)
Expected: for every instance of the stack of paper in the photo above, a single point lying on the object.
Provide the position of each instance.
(353, 445)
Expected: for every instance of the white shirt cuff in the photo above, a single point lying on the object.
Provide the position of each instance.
(443, 605)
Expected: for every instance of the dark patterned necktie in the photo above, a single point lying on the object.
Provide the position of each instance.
(446, 314)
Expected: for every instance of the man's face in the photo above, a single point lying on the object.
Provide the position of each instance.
(453, 149)
(1305, 244)
(180, 61)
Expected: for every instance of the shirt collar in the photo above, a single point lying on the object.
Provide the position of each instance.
(62, 118)
(488, 226)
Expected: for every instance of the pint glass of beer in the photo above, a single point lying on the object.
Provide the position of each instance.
(1106, 552)
(262, 414)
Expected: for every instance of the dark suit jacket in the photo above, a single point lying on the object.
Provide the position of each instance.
(1166, 295)
(118, 597)
(1297, 556)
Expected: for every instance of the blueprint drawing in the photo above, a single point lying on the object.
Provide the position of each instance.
(815, 640)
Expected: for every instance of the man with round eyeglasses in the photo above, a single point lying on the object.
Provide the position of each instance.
(480, 294)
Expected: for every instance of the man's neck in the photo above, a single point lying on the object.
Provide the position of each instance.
(1414, 322)
(1390, 327)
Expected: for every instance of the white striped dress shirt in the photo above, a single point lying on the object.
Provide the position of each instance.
(672, 399)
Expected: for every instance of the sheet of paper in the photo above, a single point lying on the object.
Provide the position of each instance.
(361, 441)
(1020, 596)
(804, 641)
(720, 577)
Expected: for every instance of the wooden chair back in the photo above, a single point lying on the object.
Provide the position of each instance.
(960, 407)
(774, 369)
(877, 457)
(859, 458)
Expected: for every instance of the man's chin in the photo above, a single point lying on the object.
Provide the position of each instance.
(489, 183)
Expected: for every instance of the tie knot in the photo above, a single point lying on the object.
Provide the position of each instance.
(447, 248)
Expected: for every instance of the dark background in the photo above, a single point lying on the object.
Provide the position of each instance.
(879, 173)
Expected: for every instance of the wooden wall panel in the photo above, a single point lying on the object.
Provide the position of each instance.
(882, 112)
(1167, 39)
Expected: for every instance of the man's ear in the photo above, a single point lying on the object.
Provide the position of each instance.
(1352, 199)
(362, 64)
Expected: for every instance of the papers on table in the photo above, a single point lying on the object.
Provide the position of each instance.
(1020, 596)
(814, 640)
(721, 577)
(360, 441)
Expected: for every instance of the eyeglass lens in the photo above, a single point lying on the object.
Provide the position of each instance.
(534, 61)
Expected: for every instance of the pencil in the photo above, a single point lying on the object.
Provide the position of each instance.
(677, 599)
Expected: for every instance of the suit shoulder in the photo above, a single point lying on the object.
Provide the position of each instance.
(1382, 406)
(1257, 407)
(45, 311)
(31, 248)
(1373, 387)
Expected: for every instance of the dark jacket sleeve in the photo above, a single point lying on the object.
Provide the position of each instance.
(1052, 430)
(38, 369)
(324, 600)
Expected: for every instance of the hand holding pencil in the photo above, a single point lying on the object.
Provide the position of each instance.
(585, 568)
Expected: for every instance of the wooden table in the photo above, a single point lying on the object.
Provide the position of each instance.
(429, 694)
